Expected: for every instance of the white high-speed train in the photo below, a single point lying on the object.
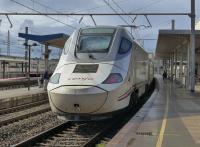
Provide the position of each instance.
(98, 71)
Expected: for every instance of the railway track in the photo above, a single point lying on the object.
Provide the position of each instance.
(16, 116)
(83, 134)
(23, 106)
(69, 134)
(78, 134)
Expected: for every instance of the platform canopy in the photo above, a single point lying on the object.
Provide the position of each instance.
(169, 40)
(55, 40)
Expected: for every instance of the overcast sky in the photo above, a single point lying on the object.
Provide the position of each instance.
(43, 25)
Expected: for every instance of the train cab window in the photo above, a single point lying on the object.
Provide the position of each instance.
(125, 46)
(95, 40)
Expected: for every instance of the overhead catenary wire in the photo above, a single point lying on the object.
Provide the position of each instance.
(115, 11)
(122, 10)
(97, 7)
(137, 35)
(148, 5)
(41, 4)
(40, 13)
(133, 19)
(126, 13)
(50, 8)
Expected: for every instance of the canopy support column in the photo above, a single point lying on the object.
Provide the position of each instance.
(192, 46)
(181, 66)
(175, 72)
(172, 65)
(188, 67)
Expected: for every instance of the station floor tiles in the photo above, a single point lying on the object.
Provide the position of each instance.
(20, 92)
(171, 119)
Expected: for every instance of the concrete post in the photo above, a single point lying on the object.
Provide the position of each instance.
(198, 57)
(173, 24)
(168, 67)
(181, 66)
(172, 66)
(192, 46)
(46, 57)
(29, 65)
(4, 69)
(26, 52)
(164, 64)
(22, 64)
(188, 67)
(175, 71)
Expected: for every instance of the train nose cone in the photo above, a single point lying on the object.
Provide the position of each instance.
(78, 99)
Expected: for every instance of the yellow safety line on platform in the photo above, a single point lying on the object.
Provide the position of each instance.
(164, 123)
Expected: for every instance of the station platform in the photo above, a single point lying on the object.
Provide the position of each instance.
(14, 97)
(20, 92)
(170, 118)
(8, 79)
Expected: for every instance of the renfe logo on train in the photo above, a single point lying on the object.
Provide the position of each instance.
(80, 78)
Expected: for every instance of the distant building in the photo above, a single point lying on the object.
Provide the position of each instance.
(15, 66)
(197, 25)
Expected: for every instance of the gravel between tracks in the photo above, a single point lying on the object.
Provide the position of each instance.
(26, 128)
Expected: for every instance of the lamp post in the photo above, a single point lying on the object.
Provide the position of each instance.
(29, 61)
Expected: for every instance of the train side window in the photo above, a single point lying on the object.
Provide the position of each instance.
(125, 46)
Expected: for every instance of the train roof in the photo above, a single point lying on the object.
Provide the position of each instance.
(116, 27)
(102, 26)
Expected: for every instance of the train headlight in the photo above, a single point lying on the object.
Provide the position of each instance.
(113, 78)
(55, 78)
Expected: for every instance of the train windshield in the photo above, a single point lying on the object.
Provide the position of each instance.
(95, 40)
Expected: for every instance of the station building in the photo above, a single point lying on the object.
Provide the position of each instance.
(173, 51)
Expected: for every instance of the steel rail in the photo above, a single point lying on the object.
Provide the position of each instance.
(23, 116)
(43, 135)
(41, 139)
(93, 141)
(23, 106)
